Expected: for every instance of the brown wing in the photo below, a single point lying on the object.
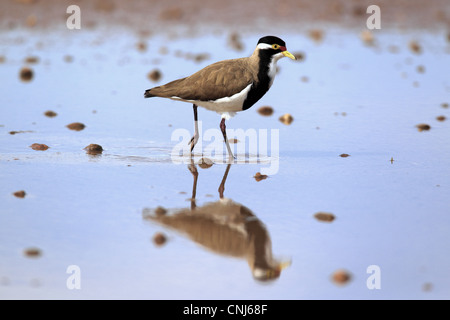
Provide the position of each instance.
(218, 80)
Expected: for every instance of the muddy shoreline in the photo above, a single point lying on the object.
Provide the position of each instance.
(149, 17)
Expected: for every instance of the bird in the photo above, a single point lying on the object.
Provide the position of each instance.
(224, 227)
(227, 86)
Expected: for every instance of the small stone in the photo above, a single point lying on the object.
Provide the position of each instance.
(441, 118)
(299, 56)
(154, 75)
(39, 146)
(19, 194)
(160, 211)
(423, 127)
(286, 119)
(205, 163)
(76, 126)
(427, 287)
(173, 13)
(159, 239)
(415, 47)
(32, 252)
(31, 60)
(341, 277)
(26, 74)
(258, 176)
(50, 114)
(344, 155)
(94, 149)
(324, 216)
(316, 35)
(265, 111)
(235, 42)
(367, 37)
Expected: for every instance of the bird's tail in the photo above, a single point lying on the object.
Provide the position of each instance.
(147, 94)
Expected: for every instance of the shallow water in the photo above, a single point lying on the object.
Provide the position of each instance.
(389, 197)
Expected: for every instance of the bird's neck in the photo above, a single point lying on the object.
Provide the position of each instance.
(267, 68)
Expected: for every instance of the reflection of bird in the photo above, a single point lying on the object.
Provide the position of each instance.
(228, 86)
(228, 228)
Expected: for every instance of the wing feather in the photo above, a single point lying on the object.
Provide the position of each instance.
(218, 80)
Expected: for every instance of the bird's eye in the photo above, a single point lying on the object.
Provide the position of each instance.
(276, 46)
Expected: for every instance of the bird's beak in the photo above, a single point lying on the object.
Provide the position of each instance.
(284, 264)
(288, 54)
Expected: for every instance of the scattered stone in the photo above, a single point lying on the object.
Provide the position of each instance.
(235, 42)
(420, 69)
(341, 277)
(367, 37)
(299, 56)
(233, 140)
(423, 127)
(265, 111)
(68, 58)
(159, 239)
(286, 119)
(50, 114)
(154, 75)
(324, 216)
(31, 60)
(444, 105)
(200, 57)
(441, 118)
(94, 149)
(415, 47)
(19, 194)
(344, 155)
(105, 6)
(160, 211)
(32, 252)
(205, 163)
(258, 176)
(26, 74)
(316, 35)
(31, 20)
(19, 131)
(39, 146)
(174, 13)
(76, 126)
(427, 287)
(141, 46)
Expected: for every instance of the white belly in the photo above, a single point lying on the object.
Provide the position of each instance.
(227, 106)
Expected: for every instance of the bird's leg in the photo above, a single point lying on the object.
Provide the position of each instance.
(222, 184)
(194, 139)
(224, 132)
(193, 169)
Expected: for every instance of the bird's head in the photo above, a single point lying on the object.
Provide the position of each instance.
(274, 47)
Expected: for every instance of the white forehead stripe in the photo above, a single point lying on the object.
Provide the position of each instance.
(264, 46)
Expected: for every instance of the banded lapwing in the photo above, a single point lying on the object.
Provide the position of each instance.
(224, 227)
(228, 86)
